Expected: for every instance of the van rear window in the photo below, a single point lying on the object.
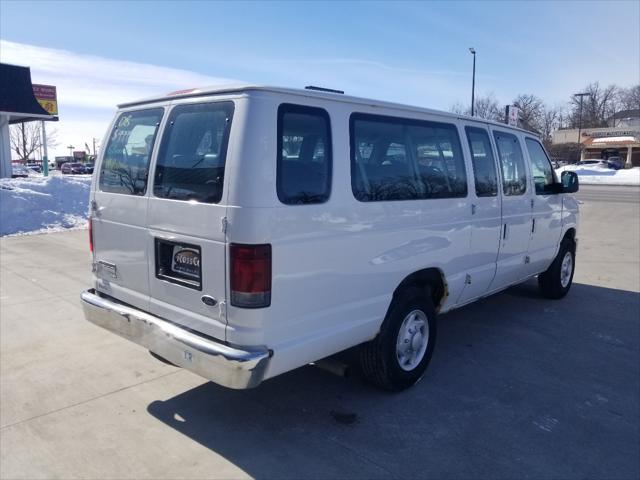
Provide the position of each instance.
(125, 164)
(193, 152)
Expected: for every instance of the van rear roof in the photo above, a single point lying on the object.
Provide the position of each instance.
(308, 93)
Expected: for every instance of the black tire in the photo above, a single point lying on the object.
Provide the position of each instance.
(551, 281)
(379, 359)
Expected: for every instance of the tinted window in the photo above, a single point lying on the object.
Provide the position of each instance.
(402, 159)
(125, 164)
(193, 153)
(304, 155)
(514, 175)
(543, 175)
(484, 167)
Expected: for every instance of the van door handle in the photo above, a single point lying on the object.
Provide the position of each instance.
(473, 209)
(504, 231)
(533, 225)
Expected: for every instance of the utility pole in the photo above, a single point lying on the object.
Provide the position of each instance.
(581, 95)
(473, 80)
(71, 147)
(24, 144)
(45, 158)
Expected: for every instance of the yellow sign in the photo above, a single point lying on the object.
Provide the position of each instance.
(47, 97)
(51, 106)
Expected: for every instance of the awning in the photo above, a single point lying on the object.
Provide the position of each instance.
(604, 142)
(614, 139)
(16, 95)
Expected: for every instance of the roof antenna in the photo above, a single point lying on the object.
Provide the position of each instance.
(322, 89)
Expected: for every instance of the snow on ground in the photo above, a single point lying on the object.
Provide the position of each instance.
(43, 204)
(597, 175)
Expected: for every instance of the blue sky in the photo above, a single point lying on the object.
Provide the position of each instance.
(102, 53)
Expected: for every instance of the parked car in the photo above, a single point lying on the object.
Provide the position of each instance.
(236, 261)
(20, 171)
(35, 167)
(592, 163)
(616, 163)
(88, 168)
(72, 168)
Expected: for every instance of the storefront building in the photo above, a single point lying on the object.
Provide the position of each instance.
(621, 141)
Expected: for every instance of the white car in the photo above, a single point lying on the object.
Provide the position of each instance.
(243, 232)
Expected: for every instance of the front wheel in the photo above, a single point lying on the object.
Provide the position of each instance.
(398, 357)
(556, 281)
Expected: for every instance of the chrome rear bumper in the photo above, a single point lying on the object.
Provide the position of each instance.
(225, 365)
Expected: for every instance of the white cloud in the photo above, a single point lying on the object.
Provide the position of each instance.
(89, 87)
(96, 82)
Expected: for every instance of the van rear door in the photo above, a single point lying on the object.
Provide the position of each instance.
(119, 207)
(187, 238)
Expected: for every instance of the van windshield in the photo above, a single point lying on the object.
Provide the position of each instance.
(192, 155)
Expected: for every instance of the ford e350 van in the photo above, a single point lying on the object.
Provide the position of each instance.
(242, 232)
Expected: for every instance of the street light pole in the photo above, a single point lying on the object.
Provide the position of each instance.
(581, 95)
(473, 80)
(45, 158)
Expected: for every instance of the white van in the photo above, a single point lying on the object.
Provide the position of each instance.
(243, 232)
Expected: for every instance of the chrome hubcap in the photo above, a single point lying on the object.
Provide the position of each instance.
(413, 339)
(566, 269)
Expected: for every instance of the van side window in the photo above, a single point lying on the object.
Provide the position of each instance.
(193, 153)
(125, 165)
(514, 174)
(543, 174)
(304, 155)
(484, 167)
(403, 159)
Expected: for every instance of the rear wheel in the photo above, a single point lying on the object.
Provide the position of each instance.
(556, 281)
(398, 357)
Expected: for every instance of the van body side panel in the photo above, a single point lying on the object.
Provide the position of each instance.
(335, 264)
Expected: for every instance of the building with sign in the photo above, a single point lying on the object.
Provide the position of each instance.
(17, 104)
(621, 140)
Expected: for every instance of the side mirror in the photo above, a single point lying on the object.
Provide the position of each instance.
(569, 181)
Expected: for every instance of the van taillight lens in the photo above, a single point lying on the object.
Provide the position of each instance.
(90, 234)
(250, 275)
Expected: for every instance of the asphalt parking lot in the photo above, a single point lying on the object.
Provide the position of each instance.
(519, 387)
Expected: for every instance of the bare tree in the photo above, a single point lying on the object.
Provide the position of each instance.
(26, 138)
(630, 98)
(549, 121)
(485, 107)
(531, 111)
(460, 109)
(596, 107)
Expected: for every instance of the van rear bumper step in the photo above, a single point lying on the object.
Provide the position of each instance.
(228, 366)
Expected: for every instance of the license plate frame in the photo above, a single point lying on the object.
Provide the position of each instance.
(179, 263)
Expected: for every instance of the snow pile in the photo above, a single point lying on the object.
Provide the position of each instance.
(597, 175)
(43, 204)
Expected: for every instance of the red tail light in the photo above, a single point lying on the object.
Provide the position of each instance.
(250, 275)
(90, 235)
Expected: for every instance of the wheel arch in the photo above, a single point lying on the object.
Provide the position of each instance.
(432, 280)
(570, 234)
